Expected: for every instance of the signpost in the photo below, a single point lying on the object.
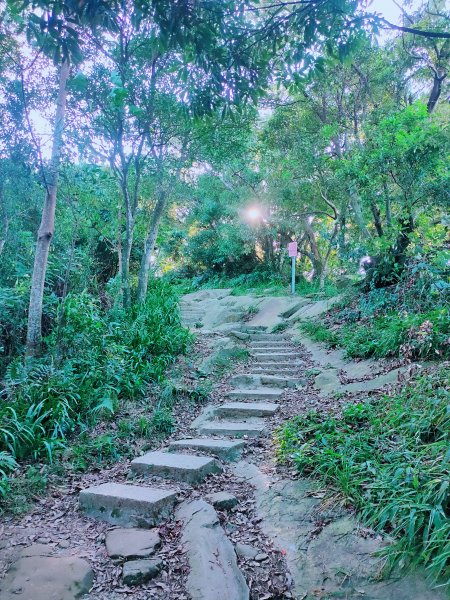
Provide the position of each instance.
(293, 251)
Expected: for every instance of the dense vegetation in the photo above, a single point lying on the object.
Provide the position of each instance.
(152, 147)
(390, 458)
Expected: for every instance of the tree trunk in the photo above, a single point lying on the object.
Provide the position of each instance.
(356, 206)
(47, 226)
(377, 218)
(149, 246)
(436, 91)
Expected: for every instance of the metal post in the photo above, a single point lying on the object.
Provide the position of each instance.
(293, 275)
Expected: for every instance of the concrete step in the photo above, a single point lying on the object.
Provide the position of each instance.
(250, 428)
(272, 348)
(181, 467)
(246, 409)
(282, 365)
(275, 357)
(260, 378)
(223, 449)
(127, 505)
(288, 373)
(262, 393)
(274, 343)
(264, 337)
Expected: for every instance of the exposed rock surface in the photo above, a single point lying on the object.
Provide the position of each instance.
(132, 543)
(47, 578)
(337, 560)
(214, 574)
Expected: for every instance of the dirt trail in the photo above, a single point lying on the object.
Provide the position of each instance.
(211, 515)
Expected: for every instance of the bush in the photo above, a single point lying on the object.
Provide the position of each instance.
(391, 459)
(94, 361)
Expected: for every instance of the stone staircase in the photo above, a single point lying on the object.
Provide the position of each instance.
(191, 315)
(220, 429)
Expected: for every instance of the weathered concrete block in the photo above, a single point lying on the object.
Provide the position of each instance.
(181, 467)
(262, 393)
(127, 505)
(224, 449)
(250, 428)
(246, 409)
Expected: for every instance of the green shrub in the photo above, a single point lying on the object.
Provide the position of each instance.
(94, 361)
(391, 459)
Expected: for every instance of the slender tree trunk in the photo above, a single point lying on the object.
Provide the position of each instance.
(126, 244)
(4, 223)
(47, 226)
(149, 246)
(356, 206)
(436, 91)
(377, 218)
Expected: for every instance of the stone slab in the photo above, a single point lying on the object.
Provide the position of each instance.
(224, 449)
(261, 393)
(253, 380)
(213, 570)
(246, 409)
(132, 543)
(47, 578)
(250, 428)
(275, 356)
(293, 364)
(127, 505)
(187, 468)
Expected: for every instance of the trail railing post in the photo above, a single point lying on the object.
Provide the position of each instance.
(293, 251)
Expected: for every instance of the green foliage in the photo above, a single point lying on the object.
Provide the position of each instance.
(94, 362)
(390, 458)
(410, 318)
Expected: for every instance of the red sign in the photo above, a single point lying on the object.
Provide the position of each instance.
(292, 249)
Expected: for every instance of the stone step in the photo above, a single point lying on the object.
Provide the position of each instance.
(264, 337)
(272, 348)
(224, 449)
(276, 357)
(250, 428)
(287, 373)
(127, 505)
(213, 571)
(276, 343)
(282, 365)
(262, 393)
(246, 409)
(181, 467)
(260, 378)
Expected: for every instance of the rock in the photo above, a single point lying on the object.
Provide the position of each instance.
(187, 468)
(132, 543)
(47, 578)
(222, 500)
(37, 550)
(262, 556)
(64, 544)
(136, 572)
(213, 574)
(127, 505)
(246, 551)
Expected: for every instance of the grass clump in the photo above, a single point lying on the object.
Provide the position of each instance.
(391, 460)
